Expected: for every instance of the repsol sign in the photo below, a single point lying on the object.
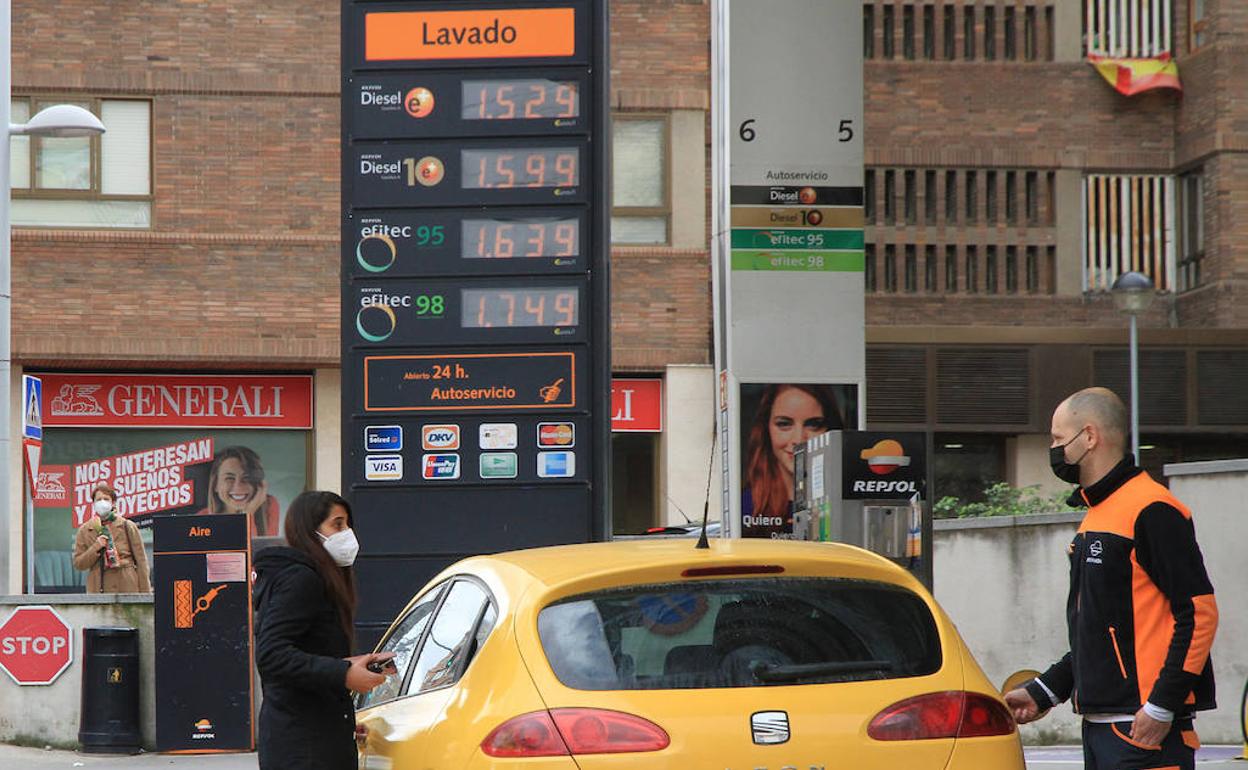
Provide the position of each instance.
(889, 488)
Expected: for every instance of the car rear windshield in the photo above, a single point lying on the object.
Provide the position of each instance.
(739, 633)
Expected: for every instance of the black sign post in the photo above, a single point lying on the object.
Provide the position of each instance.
(202, 594)
(475, 304)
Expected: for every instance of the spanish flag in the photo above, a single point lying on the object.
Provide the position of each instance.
(1132, 76)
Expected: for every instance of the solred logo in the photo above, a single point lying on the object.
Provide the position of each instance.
(885, 457)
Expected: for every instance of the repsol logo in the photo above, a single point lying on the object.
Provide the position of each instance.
(885, 486)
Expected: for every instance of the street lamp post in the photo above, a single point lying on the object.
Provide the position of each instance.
(57, 120)
(1133, 293)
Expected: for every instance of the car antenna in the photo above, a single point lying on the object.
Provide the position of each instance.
(706, 504)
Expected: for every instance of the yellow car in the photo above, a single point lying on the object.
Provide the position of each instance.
(653, 654)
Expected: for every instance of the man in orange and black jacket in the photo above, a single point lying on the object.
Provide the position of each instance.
(1141, 614)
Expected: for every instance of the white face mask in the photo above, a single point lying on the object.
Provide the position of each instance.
(103, 506)
(341, 546)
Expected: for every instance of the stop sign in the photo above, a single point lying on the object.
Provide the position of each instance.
(36, 645)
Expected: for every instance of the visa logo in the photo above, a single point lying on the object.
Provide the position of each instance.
(383, 467)
(434, 437)
(440, 467)
(383, 438)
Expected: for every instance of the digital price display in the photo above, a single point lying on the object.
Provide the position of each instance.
(488, 308)
(528, 99)
(536, 167)
(520, 239)
(423, 312)
(414, 105)
(439, 173)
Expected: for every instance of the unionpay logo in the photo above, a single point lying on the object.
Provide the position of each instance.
(434, 437)
(885, 457)
(440, 467)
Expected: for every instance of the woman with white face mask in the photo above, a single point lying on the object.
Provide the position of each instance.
(305, 610)
(109, 548)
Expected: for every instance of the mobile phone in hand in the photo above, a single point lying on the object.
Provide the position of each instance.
(383, 667)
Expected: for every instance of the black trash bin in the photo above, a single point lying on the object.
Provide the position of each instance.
(109, 718)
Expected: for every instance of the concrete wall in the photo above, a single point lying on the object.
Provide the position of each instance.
(1004, 581)
(688, 430)
(50, 713)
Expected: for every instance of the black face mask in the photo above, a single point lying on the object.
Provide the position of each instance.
(1068, 472)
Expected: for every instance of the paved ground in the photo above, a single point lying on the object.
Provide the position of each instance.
(1051, 758)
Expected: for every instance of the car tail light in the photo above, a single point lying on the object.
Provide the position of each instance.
(560, 732)
(597, 731)
(951, 714)
(529, 735)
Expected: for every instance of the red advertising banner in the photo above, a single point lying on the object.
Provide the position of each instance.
(636, 406)
(52, 489)
(147, 482)
(177, 401)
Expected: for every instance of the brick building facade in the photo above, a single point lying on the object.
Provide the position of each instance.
(235, 266)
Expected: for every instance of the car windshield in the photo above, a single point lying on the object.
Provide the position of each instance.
(739, 633)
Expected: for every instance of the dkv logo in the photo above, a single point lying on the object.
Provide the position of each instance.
(435, 437)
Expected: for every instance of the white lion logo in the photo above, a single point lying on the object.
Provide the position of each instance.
(76, 400)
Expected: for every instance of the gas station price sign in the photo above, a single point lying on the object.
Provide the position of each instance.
(475, 304)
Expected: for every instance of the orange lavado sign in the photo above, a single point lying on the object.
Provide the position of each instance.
(480, 34)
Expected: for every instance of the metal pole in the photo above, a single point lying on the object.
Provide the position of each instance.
(1135, 395)
(8, 514)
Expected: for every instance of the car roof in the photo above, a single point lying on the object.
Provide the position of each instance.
(557, 565)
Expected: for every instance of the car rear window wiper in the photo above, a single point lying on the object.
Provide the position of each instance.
(771, 672)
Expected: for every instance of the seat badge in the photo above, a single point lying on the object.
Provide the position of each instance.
(769, 727)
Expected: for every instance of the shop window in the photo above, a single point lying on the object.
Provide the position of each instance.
(97, 181)
(634, 487)
(965, 465)
(641, 205)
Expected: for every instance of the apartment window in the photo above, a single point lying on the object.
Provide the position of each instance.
(1127, 228)
(868, 269)
(929, 268)
(1011, 41)
(951, 268)
(929, 197)
(1011, 269)
(929, 32)
(1198, 33)
(1029, 33)
(907, 31)
(641, 206)
(990, 270)
(1031, 197)
(968, 32)
(990, 197)
(972, 269)
(868, 31)
(868, 197)
(1191, 227)
(951, 44)
(1127, 28)
(890, 268)
(1050, 198)
(99, 181)
(972, 198)
(890, 197)
(990, 32)
(951, 197)
(889, 28)
(1050, 52)
(911, 198)
(1011, 198)
(912, 270)
(1033, 271)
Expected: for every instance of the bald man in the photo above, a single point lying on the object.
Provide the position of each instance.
(1140, 614)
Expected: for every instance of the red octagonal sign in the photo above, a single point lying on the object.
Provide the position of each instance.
(36, 645)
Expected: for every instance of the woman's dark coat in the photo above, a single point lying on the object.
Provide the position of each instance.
(307, 720)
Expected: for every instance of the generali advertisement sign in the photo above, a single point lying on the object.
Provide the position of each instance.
(636, 405)
(177, 401)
